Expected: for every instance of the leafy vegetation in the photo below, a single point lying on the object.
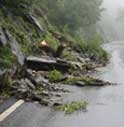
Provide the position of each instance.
(70, 108)
(69, 56)
(80, 12)
(5, 85)
(7, 59)
(75, 20)
(79, 23)
(54, 76)
(53, 42)
(74, 80)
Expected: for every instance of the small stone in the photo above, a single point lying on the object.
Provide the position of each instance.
(40, 80)
(45, 102)
(80, 84)
(36, 102)
(22, 90)
(36, 98)
(58, 95)
(45, 93)
(57, 104)
(29, 84)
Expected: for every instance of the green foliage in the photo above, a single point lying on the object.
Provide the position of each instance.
(6, 84)
(72, 107)
(54, 76)
(68, 55)
(4, 94)
(53, 42)
(74, 80)
(18, 7)
(7, 59)
(88, 80)
(18, 29)
(92, 47)
(66, 16)
(73, 14)
(20, 36)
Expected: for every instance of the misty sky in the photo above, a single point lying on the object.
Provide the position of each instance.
(113, 29)
(113, 5)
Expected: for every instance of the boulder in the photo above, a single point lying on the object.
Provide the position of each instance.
(35, 22)
(80, 84)
(15, 47)
(7, 38)
(29, 84)
(43, 64)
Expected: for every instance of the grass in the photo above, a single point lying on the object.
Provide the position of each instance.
(7, 82)
(54, 76)
(92, 46)
(70, 108)
(24, 32)
(4, 94)
(72, 81)
(53, 42)
(68, 55)
(7, 59)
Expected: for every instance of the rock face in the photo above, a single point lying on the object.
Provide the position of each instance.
(36, 63)
(3, 39)
(7, 38)
(35, 22)
(16, 49)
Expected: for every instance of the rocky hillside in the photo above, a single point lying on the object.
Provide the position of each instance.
(24, 25)
(38, 51)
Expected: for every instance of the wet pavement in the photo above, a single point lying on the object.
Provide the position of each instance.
(105, 108)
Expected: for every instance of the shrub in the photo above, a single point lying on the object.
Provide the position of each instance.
(92, 46)
(54, 76)
(87, 80)
(68, 55)
(7, 59)
(70, 108)
(53, 42)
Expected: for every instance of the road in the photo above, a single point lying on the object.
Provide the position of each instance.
(106, 104)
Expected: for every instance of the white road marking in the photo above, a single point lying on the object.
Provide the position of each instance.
(10, 110)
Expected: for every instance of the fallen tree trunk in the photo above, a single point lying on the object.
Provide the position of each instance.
(43, 64)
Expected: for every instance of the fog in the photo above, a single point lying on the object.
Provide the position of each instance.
(112, 21)
(112, 6)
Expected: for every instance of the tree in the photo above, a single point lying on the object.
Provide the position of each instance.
(74, 13)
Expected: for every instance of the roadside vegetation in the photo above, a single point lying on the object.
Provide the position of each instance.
(55, 76)
(70, 108)
(6, 58)
(87, 80)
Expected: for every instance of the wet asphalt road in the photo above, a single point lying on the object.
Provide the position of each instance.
(105, 109)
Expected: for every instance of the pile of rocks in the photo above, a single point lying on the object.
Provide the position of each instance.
(35, 87)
